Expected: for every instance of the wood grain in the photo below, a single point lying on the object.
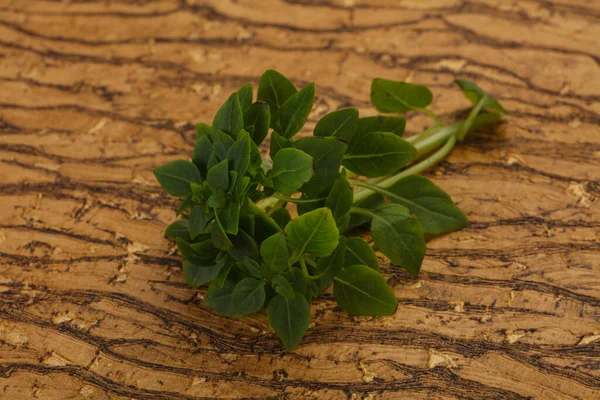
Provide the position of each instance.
(95, 94)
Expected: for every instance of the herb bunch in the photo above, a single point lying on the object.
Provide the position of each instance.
(237, 234)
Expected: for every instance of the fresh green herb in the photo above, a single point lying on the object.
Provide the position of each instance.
(237, 234)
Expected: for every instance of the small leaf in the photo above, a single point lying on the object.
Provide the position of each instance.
(314, 232)
(223, 274)
(399, 97)
(257, 120)
(340, 198)
(359, 252)
(248, 296)
(251, 267)
(378, 154)
(293, 113)
(435, 209)
(264, 226)
(176, 176)
(186, 203)
(222, 142)
(218, 176)
(359, 290)
(278, 142)
(240, 187)
(332, 264)
(399, 235)
(229, 217)
(243, 245)
(475, 94)
(296, 279)
(198, 275)
(291, 169)
(275, 89)
(381, 123)
(340, 124)
(179, 229)
(202, 253)
(282, 286)
(274, 252)
(245, 96)
(202, 129)
(219, 298)
(327, 153)
(217, 199)
(281, 216)
(289, 317)
(239, 154)
(229, 118)
(218, 236)
(201, 154)
(199, 219)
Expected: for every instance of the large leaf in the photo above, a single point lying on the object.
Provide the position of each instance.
(249, 296)
(435, 209)
(218, 236)
(378, 154)
(359, 252)
(399, 97)
(327, 153)
(314, 232)
(360, 290)
(475, 94)
(198, 275)
(282, 286)
(229, 118)
(340, 124)
(257, 119)
(179, 229)
(245, 96)
(243, 245)
(291, 169)
(218, 176)
(399, 235)
(340, 198)
(274, 89)
(239, 154)
(219, 298)
(278, 142)
(202, 253)
(381, 123)
(293, 113)
(200, 216)
(201, 154)
(274, 252)
(221, 144)
(229, 218)
(176, 177)
(289, 317)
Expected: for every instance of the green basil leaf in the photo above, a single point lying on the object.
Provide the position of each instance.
(289, 317)
(475, 94)
(332, 264)
(359, 252)
(240, 187)
(381, 123)
(340, 124)
(239, 154)
(274, 251)
(264, 226)
(399, 97)
(202, 129)
(186, 203)
(219, 298)
(274, 89)
(291, 169)
(323, 283)
(202, 253)
(245, 96)
(198, 275)
(199, 219)
(312, 290)
(378, 154)
(251, 267)
(223, 274)
(230, 217)
(372, 202)
(296, 279)
(179, 229)
(281, 216)
(293, 113)
(229, 118)
(257, 120)
(222, 142)
(218, 176)
(175, 177)
(212, 161)
(249, 296)
(435, 209)
(218, 236)
(314, 232)
(327, 153)
(201, 154)
(359, 290)
(217, 199)
(243, 246)
(340, 198)
(399, 235)
(278, 142)
(282, 286)
(256, 159)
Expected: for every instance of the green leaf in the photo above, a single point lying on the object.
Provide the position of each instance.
(281, 216)
(217, 199)
(230, 217)
(218, 236)
(378, 154)
(218, 176)
(251, 267)
(359, 290)
(274, 252)
(202, 129)
(222, 142)
(278, 142)
(314, 232)
(296, 279)
(239, 154)
(274, 89)
(264, 226)
(179, 229)
(240, 187)
(372, 202)
(293, 113)
(229, 118)
(202, 253)
(475, 94)
(289, 317)
(198, 275)
(201, 154)
(186, 203)
(282, 286)
(176, 176)
(199, 219)
(257, 120)
(399, 97)
(332, 264)
(245, 96)
(219, 298)
(381, 123)
(399, 235)
(340, 198)
(340, 124)
(221, 277)
(291, 169)
(256, 159)
(212, 161)
(249, 296)
(433, 207)
(327, 153)
(323, 283)
(243, 245)
(359, 252)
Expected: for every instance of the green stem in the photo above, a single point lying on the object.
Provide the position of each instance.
(362, 211)
(303, 265)
(427, 133)
(267, 202)
(294, 200)
(430, 113)
(466, 125)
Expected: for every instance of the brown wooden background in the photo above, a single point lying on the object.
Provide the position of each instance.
(95, 94)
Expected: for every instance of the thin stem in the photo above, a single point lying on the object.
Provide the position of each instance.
(277, 205)
(464, 128)
(303, 265)
(426, 133)
(362, 211)
(294, 200)
(432, 115)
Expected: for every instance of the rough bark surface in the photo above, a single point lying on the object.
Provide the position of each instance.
(95, 94)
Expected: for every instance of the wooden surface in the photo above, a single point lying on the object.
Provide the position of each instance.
(95, 94)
